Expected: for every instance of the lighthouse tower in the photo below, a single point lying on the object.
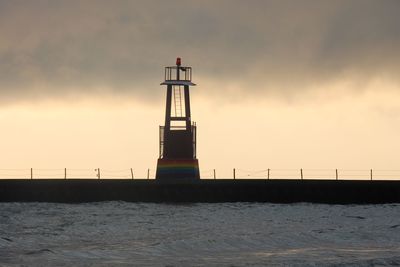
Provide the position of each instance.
(177, 158)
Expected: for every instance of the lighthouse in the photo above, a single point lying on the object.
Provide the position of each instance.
(177, 148)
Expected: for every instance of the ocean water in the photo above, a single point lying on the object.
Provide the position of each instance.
(226, 234)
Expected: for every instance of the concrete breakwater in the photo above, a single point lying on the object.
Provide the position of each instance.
(223, 190)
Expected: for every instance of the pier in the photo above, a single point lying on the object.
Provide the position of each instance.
(196, 191)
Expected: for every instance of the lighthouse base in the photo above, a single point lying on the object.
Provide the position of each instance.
(177, 169)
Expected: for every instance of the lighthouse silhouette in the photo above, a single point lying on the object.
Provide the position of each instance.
(177, 151)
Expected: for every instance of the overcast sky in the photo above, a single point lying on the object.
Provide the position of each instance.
(317, 76)
(52, 48)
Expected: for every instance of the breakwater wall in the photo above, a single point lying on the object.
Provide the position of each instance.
(223, 190)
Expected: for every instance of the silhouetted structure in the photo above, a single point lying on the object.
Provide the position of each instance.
(177, 158)
(201, 190)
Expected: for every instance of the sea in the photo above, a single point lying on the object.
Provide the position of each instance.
(223, 234)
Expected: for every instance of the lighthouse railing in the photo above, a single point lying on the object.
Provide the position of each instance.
(161, 138)
(171, 73)
(194, 130)
(161, 147)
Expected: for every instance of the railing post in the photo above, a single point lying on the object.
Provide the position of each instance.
(371, 174)
(98, 173)
(65, 173)
(132, 173)
(301, 174)
(234, 173)
(215, 177)
(337, 175)
(148, 174)
(268, 175)
(31, 173)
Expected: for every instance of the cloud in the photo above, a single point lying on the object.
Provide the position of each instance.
(58, 48)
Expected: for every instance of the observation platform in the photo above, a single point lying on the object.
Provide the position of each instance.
(196, 191)
(171, 76)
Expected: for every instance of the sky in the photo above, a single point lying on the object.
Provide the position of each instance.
(280, 84)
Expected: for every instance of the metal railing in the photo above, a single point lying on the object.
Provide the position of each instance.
(66, 173)
(301, 174)
(266, 174)
(162, 138)
(171, 73)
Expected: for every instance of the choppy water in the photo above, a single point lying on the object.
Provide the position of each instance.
(242, 234)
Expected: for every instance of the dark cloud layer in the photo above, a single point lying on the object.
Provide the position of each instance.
(54, 48)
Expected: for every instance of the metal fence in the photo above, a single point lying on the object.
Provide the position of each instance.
(65, 173)
(130, 173)
(331, 174)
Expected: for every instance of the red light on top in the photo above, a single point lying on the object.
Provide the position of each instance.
(178, 61)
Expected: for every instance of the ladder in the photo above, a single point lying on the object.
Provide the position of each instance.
(178, 101)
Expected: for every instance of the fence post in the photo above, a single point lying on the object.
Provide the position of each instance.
(268, 174)
(337, 175)
(234, 173)
(301, 174)
(132, 173)
(98, 173)
(31, 173)
(148, 174)
(215, 177)
(65, 173)
(371, 174)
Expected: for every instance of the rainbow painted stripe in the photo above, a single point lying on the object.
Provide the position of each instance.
(177, 168)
